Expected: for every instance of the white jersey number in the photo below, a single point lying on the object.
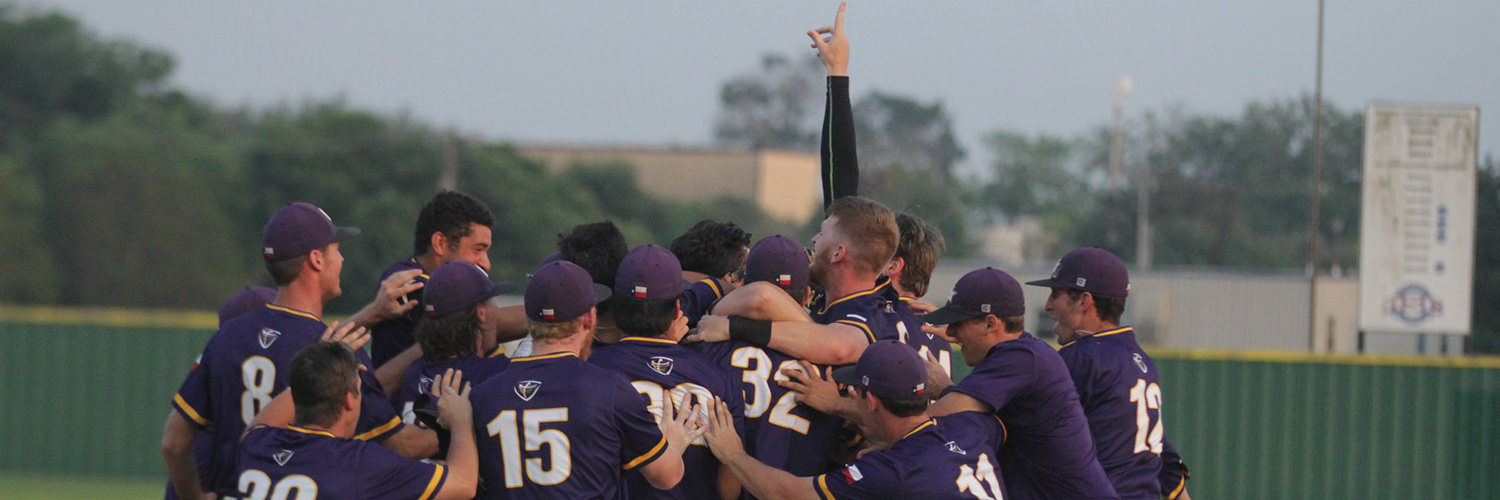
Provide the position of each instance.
(558, 446)
(256, 485)
(980, 480)
(684, 396)
(758, 373)
(1146, 397)
(259, 377)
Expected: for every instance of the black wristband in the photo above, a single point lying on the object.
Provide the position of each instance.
(756, 332)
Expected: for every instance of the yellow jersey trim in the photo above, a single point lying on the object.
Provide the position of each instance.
(554, 355)
(714, 285)
(1182, 484)
(648, 339)
(863, 327)
(498, 352)
(1122, 329)
(432, 484)
(823, 486)
(305, 430)
(648, 455)
(852, 296)
(295, 312)
(370, 434)
(188, 409)
(928, 423)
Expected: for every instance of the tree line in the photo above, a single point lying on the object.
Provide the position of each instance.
(118, 189)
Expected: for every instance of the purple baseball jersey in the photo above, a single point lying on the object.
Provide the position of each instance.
(909, 329)
(1121, 397)
(244, 365)
(699, 297)
(658, 368)
(946, 457)
(414, 385)
(873, 311)
(778, 431)
(1048, 453)
(275, 462)
(529, 417)
(388, 338)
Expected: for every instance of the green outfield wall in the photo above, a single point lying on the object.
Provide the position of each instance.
(86, 391)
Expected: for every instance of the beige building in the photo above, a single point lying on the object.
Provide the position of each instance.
(783, 184)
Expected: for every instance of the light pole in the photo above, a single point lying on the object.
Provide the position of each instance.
(1123, 87)
(1317, 193)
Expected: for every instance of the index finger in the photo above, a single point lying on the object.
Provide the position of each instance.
(838, 21)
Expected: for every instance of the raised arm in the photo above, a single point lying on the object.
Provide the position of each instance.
(840, 167)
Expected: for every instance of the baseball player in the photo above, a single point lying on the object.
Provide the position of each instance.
(713, 255)
(456, 335)
(316, 458)
(243, 366)
(451, 226)
(917, 455)
(778, 431)
(552, 426)
(1022, 380)
(646, 298)
(910, 271)
(1116, 380)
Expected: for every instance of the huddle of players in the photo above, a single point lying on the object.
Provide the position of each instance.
(1029, 422)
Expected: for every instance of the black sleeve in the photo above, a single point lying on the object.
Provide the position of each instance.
(840, 170)
(1174, 472)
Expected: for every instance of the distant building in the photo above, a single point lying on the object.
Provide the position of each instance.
(783, 184)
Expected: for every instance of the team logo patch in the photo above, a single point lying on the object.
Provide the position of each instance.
(549, 314)
(1082, 282)
(984, 308)
(639, 292)
(269, 252)
(282, 457)
(431, 311)
(784, 280)
(921, 389)
(852, 474)
(953, 447)
(1139, 363)
(268, 337)
(527, 389)
(865, 380)
(660, 364)
(424, 386)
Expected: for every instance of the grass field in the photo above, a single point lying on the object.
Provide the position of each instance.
(26, 486)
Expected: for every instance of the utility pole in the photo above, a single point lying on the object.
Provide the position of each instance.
(1317, 194)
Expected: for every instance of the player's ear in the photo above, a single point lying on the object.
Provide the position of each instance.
(439, 243)
(316, 258)
(894, 267)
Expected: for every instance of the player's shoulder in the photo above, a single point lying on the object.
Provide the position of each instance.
(406, 264)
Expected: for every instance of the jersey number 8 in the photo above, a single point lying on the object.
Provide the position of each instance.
(259, 377)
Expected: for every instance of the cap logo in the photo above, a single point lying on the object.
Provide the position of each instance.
(1082, 282)
(527, 389)
(921, 388)
(269, 252)
(268, 337)
(984, 308)
(852, 474)
(784, 280)
(660, 364)
(431, 311)
(865, 380)
(548, 314)
(282, 457)
(639, 292)
(324, 214)
(1055, 268)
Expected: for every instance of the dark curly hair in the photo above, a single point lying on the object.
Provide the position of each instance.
(448, 337)
(450, 213)
(712, 248)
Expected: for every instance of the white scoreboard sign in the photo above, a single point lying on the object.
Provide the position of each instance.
(1416, 250)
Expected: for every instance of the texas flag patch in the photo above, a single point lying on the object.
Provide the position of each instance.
(852, 474)
(639, 292)
(548, 314)
(784, 280)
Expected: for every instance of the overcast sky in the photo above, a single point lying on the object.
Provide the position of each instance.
(647, 72)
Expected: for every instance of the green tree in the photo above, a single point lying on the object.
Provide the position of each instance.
(775, 107)
(899, 130)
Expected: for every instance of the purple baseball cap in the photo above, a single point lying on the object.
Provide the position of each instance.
(561, 291)
(779, 260)
(299, 228)
(981, 292)
(649, 272)
(1092, 270)
(249, 299)
(458, 286)
(887, 369)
